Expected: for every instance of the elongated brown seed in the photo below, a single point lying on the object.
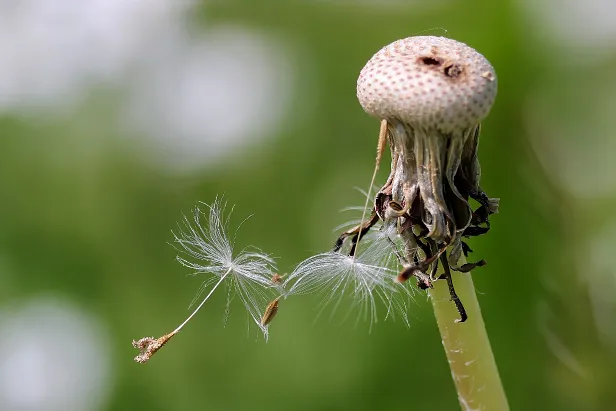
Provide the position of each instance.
(270, 312)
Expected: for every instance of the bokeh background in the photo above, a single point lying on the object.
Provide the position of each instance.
(117, 116)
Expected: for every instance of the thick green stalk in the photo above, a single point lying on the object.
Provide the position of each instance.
(467, 347)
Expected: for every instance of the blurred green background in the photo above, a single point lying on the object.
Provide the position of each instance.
(117, 117)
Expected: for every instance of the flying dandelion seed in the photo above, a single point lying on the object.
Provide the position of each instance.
(365, 280)
(209, 250)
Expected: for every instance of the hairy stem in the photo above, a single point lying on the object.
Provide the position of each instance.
(468, 348)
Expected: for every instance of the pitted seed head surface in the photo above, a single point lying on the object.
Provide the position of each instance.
(433, 83)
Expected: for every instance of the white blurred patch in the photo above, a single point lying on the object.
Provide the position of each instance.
(52, 51)
(53, 357)
(585, 30)
(220, 93)
(195, 96)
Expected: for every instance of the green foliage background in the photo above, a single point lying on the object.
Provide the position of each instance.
(84, 218)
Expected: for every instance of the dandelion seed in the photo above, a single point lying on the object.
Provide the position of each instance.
(364, 280)
(148, 346)
(248, 274)
(270, 312)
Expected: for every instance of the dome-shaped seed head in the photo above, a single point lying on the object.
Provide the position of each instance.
(433, 83)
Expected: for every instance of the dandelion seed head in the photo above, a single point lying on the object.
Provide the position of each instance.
(434, 83)
(431, 94)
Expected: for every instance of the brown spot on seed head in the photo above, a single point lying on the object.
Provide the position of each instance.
(453, 70)
(430, 61)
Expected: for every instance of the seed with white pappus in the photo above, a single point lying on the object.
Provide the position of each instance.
(208, 250)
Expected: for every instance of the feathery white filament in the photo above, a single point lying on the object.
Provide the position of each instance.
(364, 279)
(247, 273)
(201, 304)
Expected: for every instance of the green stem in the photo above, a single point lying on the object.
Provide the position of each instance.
(468, 348)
